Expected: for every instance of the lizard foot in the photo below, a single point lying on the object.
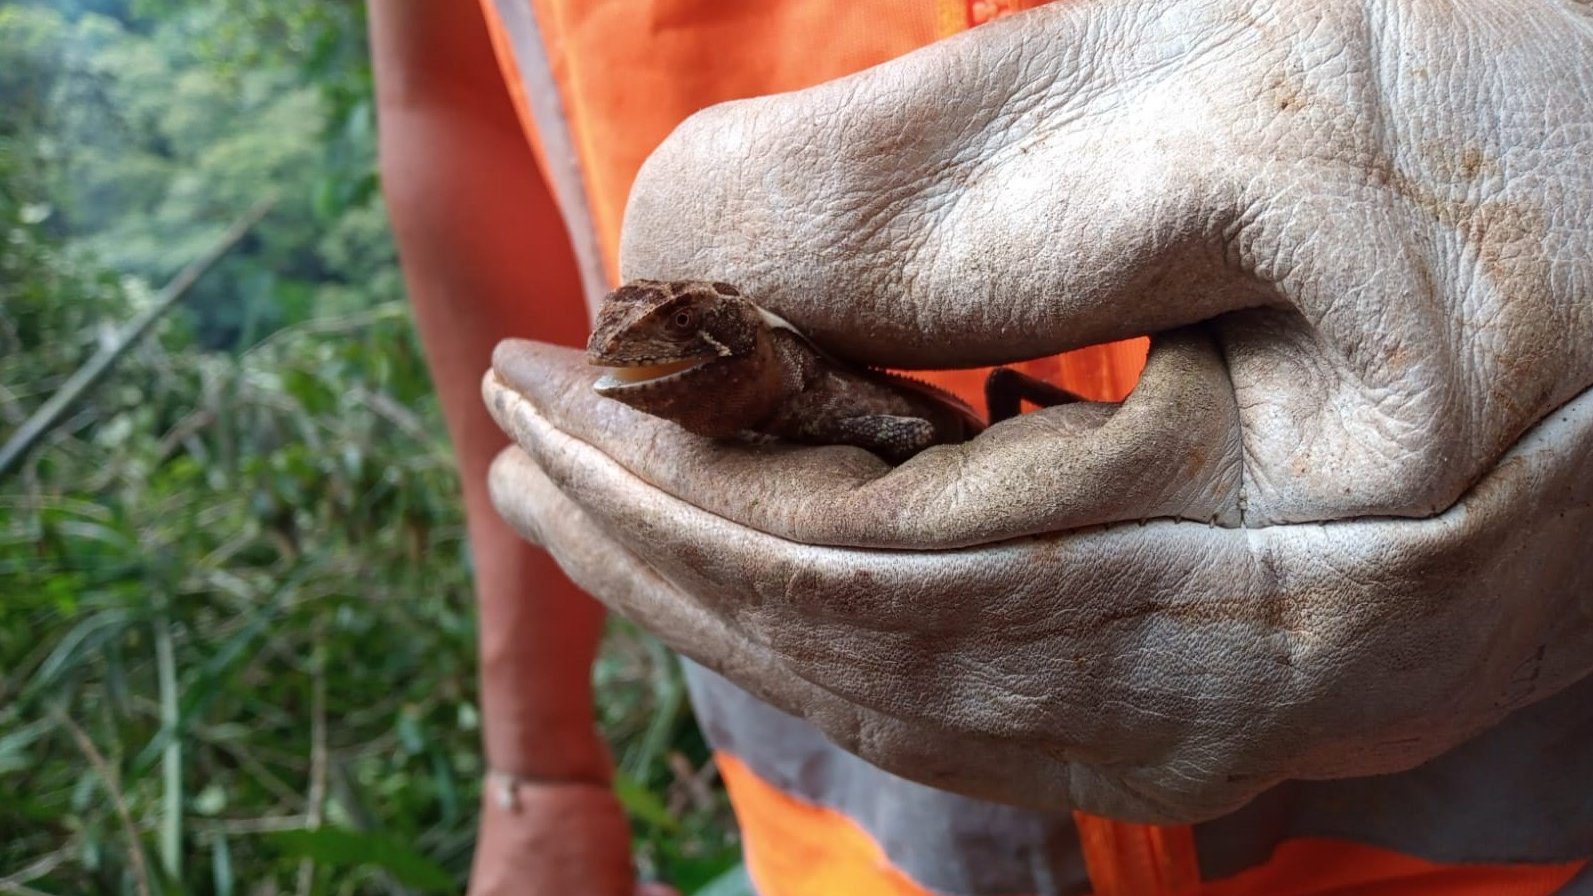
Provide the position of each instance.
(893, 438)
(1006, 389)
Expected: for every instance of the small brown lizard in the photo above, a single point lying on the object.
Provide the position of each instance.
(708, 358)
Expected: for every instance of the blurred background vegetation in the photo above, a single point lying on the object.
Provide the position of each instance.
(236, 632)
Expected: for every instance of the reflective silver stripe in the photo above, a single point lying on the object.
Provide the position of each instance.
(947, 843)
(1521, 792)
(519, 24)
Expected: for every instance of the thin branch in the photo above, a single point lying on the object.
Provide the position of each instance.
(55, 409)
(171, 828)
(258, 771)
(315, 802)
(324, 326)
(187, 426)
(265, 824)
(135, 849)
(403, 418)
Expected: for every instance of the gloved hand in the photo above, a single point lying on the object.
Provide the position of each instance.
(1341, 524)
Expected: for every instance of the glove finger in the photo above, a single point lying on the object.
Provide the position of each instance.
(978, 764)
(994, 196)
(969, 762)
(1169, 451)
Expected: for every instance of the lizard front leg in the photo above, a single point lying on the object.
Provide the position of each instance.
(1006, 390)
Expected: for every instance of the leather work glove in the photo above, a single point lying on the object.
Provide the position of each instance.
(1341, 524)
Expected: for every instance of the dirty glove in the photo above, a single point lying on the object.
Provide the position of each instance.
(1340, 525)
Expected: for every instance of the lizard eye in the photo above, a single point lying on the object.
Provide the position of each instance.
(684, 320)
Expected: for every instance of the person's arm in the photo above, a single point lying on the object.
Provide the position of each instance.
(485, 256)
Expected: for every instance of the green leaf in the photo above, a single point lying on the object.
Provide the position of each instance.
(86, 637)
(210, 800)
(409, 735)
(221, 866)
(732, 883)
(643, 804)
(345, 848)
(15, 742)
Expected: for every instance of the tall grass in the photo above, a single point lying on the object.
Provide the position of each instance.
(237, 645)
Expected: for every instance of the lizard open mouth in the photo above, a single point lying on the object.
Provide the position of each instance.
(619, 377)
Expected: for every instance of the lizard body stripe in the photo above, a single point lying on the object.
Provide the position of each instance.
(776, 322)
(780, 323)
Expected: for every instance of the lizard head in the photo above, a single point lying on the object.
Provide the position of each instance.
(650, 331)
(687, 350)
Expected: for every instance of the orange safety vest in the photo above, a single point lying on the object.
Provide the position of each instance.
(597, 85)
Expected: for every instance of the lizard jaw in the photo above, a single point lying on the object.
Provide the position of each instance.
(616, 378)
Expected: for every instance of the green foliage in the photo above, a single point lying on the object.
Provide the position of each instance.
(159, 129)
(236, 631)
(343, 848)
